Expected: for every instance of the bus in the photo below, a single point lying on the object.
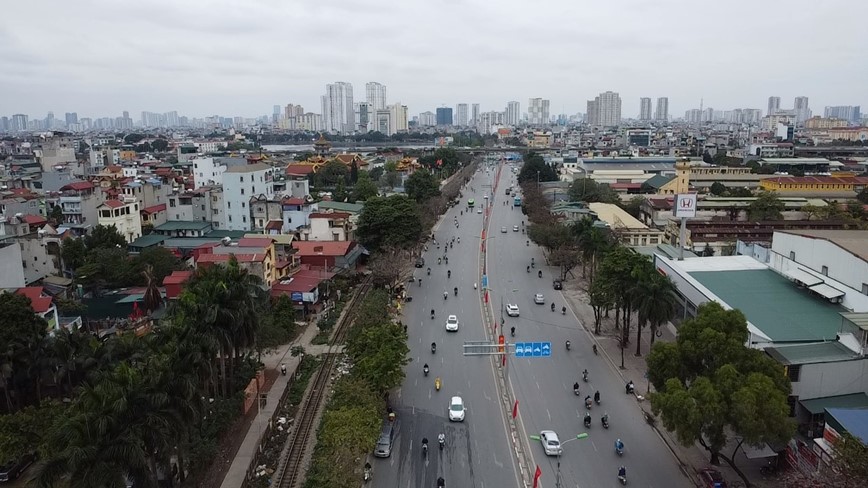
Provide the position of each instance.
(517, 201)
(470, 203)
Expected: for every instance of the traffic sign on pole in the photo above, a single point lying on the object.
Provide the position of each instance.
(533, 349)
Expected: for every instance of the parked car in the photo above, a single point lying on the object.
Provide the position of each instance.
(503, 230)
(13, 469)
(711, 478)
(420, 262)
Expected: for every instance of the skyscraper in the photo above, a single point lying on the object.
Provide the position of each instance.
(662, 113)
(398, 118)
(19, 122)
(71, 118)
(337, 108)
(474, 114)
(605, 110)
(538, 111)
(375, 95)
(644, 109)
(774, 105)
(461, 115)
(803, 113)
(444, 116)
(513, 113)
(851, 113)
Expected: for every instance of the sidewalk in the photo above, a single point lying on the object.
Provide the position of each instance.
(241, 462)
(691, 458)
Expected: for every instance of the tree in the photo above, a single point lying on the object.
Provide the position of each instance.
(767, 206)
(161, 260)
(655, 300)
(26, 430)
(364, 188)
(389, 221)
(379, 354)
(811, 211)
(710, 385)
(104, 237)
(717, 189)
(56, 215)
(422, 185)
(856, 210)
(633, 206)
(851, 460)
(589, 191)
(390, 179)
(617, 272)
(331, 173)
(73, 252)
(133, 138)
(387, 267)
(152, 299)
(22, 332)
(303, 156)
(535, 169)
(160, 144)
(862, 196)
(707, 158)
(354, 172)
(565, 258)
(550, 235)
(376, 173)
(601, 299)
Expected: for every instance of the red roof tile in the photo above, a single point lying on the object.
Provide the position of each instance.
(329, 215)
(78, 185)
(274, 225)
(114, 203)
(293, 201)
(303, 285)
(300, 169)
(177, 277)
(223, 258)
(39, 302)
(154, 208)
(34, 219)
(323, 248)
(255, 241)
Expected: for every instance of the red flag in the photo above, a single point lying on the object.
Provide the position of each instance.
(536, 476)
(515, 409)
(439, 162)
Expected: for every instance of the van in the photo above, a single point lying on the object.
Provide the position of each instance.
(384, 443)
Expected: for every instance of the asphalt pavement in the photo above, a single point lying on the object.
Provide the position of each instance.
(543, 386)
(478, 451)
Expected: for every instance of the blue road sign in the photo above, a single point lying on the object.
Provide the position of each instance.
(485, 281)
(533, 349)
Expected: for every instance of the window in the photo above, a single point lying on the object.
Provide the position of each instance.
(242, 191)
(794, 371)
(203, 207)
(244, 218)
(230, 218)
(242, 179)
(228, 204)
(243, 205)
(824, 271)
(865, 288)
(172, 203)
(792, 255)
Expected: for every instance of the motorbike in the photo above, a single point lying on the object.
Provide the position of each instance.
(585, 375)
(429, 271)
(576, 389)
(456, 291)
(433, 347)
(527, 243)
(449, 273)
(595, 349)
(553, 307)
(630, 388)
(425, 448)
(512, 331)
(588, 421)
(532, 265)
(442, 441)
(605, 421)
(588, 403)
(425, 369)
(539, 273)
(439, 260)
(283, 369)
(445, 295)
(597, 398)
(432, 314)
(563, 310)
(437, 384)
(420, 281)
(568, 345)
(622, 477)
(368, 472)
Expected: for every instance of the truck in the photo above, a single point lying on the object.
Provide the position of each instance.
(471, 203)
(517, 201)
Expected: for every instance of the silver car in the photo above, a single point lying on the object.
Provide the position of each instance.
(550, 442)
(539, 299)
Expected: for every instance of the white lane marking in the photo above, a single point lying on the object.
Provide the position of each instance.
(549, 414)
(496, 462)
(537, 386)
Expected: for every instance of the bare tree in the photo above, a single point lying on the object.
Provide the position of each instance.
(388, 267)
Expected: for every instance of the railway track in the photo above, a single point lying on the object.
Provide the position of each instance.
(305, 422)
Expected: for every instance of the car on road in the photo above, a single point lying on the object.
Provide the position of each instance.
(711, 478)
(384, 442)
(456, 409)
(452, 323)
(550, 442)
(479, 210)
(503, 230)
(512, 309)
(515, 228)
(558, 284)
(420, 262)
(539, 299)
(13, 469)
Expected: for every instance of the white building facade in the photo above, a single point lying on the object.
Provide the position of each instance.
(240, 183)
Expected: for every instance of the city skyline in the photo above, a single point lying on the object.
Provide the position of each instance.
(196, 58)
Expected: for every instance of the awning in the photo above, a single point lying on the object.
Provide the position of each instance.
(763, 451)
(803, 277)
(818, 405)
(826, 291)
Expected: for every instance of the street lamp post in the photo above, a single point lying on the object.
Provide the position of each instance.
(583, 435)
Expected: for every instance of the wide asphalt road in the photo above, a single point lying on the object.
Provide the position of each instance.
(544, 386)
(478, 452)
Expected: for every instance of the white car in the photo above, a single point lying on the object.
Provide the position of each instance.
(515, 228)
(512, 310)
(503, 230)
(456, 409)
(539, 299)
(479, 210)
(452, 323)
(550, 442)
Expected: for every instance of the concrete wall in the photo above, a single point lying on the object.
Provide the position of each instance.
(11, 269)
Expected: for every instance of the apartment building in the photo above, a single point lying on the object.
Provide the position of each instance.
(240, 184)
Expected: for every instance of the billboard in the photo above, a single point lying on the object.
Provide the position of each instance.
(685, 205)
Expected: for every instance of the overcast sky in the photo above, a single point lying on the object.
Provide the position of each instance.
(240, 57)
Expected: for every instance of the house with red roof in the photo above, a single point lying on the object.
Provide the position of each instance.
(329, 254)
(42, 303)
(255, 254)
(154, 215)
(174, 283)
(123, 215)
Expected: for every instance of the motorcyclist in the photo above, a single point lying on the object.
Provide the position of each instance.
(433, 347)
(553, 307)
(587, 419)
(527, 243)
(442, 440)
(429, 271)
(622, 473)
(456, 291)
(588, 402)
(445, 295)
(449, 273)
(619, 445)
(420, 281)
(563, 310)
(459, 240)
(568, 345)
(585, 375)
(437, 383)
(425, 369)
(576, 386)
(439, 261)
(597, 396)
(630, 387)
(528, 269)
(512, 331)
(441, 483)
(432, 313)
(605, 419)
(531, 261)
(539, 273)
(425, 445)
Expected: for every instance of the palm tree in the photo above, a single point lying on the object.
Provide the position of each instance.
(152, 299)
(655, 301)
(594, 243)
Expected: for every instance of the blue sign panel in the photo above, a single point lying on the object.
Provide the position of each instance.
(485, 281)
(296, 296)
(533, 349)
